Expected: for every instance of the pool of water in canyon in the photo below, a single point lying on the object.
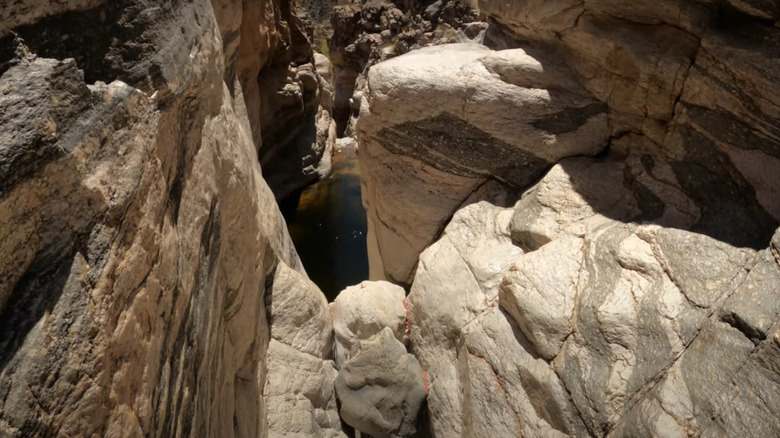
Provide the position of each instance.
(328, 227)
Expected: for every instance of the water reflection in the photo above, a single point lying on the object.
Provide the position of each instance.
(328, 227)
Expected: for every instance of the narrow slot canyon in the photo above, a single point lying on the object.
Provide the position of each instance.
(327, 224)
(389, 218)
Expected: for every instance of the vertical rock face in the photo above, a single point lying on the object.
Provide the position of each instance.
(296, 133)
(139, 240)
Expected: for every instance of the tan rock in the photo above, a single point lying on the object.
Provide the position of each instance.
(439, 122)
(360, 312)
(139, 237)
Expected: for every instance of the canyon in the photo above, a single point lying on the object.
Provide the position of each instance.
(572, 212)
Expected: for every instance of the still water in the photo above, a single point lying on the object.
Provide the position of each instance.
(328, 227)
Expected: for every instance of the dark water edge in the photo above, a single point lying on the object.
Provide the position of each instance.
(327, 224)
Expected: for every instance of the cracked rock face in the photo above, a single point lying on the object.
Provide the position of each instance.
(600, 328)
(142, 254)
(626, 295)
(692, 78)
(440, 123)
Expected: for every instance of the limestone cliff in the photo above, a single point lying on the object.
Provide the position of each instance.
(140, 247)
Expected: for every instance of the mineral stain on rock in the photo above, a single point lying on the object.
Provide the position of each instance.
(328, 227)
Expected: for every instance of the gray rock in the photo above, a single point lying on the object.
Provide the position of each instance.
(381, 388)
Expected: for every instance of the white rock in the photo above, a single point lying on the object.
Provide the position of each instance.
(361, 311)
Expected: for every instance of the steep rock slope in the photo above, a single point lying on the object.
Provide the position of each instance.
(139, 242)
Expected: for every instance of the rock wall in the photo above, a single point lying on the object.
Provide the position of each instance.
(586, 218)
(140, 247)
(683, 88)
(594, 326)
(368, 32)
(687, 83)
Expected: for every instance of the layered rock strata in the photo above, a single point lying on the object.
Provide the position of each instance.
(368, 32)
(139, 240)
(446, 125)
(684, 89)
(630, 290)
(688, 83)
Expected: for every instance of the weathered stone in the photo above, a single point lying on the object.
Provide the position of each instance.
(621, 308)
(298, 313)
(300, 396)
(138, 236)
(539, 291)
(359, 312)
(381, 388)
(437, 123)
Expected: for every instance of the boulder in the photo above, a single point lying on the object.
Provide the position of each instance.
(381, 388)
(360, 312)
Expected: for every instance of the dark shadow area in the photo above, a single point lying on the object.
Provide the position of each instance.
(327, 223)
(36, 294)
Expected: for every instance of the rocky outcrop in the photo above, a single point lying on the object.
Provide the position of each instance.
(446, 125)
(662, 80)
(596, 326)
(299, 389)
(139, 240)
(295, 133)
(298, 131)
(368, 32)
(629, 291)
(692, 79)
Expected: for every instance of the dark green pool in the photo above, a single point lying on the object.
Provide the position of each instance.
(328, 227)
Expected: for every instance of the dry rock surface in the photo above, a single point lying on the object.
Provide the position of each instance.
(585, 215)
(444, 123)
(360, 312)
(366, 32)
(583, 212)
(146, 273)
(381, 388)
(605, 328)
